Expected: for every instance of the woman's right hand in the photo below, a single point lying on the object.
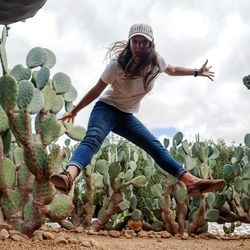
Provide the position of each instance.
(68, 117)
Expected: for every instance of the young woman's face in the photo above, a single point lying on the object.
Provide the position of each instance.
(139, 46)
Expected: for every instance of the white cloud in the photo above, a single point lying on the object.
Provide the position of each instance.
(186, 34)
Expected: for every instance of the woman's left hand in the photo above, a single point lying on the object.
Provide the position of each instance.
(205, 71)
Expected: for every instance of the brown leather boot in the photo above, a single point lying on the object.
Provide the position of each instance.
(62, 181)
(204, 186)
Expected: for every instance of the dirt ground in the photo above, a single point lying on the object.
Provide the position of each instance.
(109, 243)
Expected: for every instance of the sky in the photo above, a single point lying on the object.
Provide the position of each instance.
(186, 32)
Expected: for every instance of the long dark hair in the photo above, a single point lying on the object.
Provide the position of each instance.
(148, 69)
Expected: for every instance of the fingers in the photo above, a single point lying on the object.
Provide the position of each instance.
(210, 78)
(66, 118)
(204, 65)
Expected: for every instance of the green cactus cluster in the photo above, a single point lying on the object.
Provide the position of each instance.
(116, 175)
(29, 156)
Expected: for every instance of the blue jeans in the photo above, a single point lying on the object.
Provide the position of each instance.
(105, 118)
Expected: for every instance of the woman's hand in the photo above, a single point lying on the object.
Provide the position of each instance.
(68, 117)
(205, 71)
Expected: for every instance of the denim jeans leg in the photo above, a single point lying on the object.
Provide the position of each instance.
(102, 120)
(136, 132)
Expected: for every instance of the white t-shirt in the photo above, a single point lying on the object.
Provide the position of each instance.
(122, 93)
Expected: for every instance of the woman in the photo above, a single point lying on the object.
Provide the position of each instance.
(130, 75)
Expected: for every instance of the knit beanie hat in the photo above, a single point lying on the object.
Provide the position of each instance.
(142, 30)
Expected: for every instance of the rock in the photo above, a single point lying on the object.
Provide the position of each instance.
(60, 239)
(114, 233)
(44, 228)
(53, 225)
(6, 226)
(37, 232)
(92, 232)
(130, 233)
(184, 236)
(66, 236)
(94, 243)
(57, 230)
(38, 236)
(103, 233)
(84, 242)
(79, 229)
(166, 234)
(15, 232)
(4, 234)
(18, 237)
(142, 234)
(153, 234)
(73, 240)
(48, 236)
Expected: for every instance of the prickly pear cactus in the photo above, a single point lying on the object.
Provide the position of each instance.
(117, 174)
(27, 196)
(10, 13)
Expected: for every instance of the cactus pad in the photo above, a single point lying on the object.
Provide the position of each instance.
(97, 180)
(127, 176)
(18, 156)
(7, 137)
(8, 92)
(50, 129)
(101, 166)
(37, 102)
(53, 102)
(20, 73)
(228, 170)
(61, 83)
(26, 93)
(157, 190)
(123, 205)
(42, 77)
(76, 133)
(55, 158)
(4, 124)
(4, 36)
(247, 140)
(60, 207)
(178, 137)
(36, 57)
(43, 191)
(18, 121)
(50, 59)
(41, 157)
(11, 204)
(3, 58)
(212, 215)
(210, 199)
(136, 214)
(157, 225)
(114, 169)
(139, 181)
(34, 76)
(69, 106)
(7, 174)
(22, 175)
(181, 193)
(70, 95)
(238, 184)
